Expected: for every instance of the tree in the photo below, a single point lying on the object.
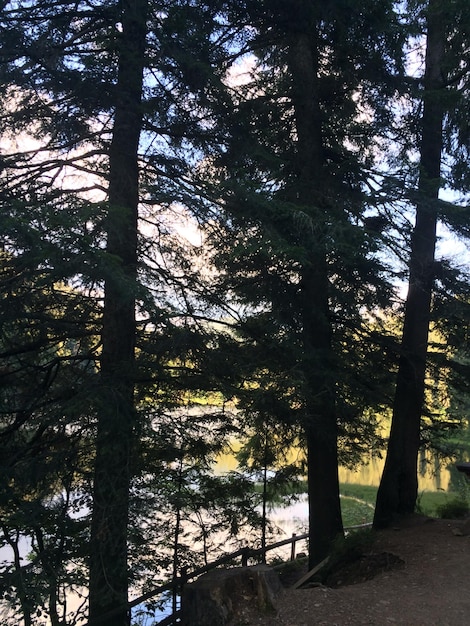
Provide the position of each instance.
(62, 97)
(76, 168)
(192, 514)
(46, 347)
(264, 455)
(294, 203)
(116, 417)
(399, 483)
(118, 116)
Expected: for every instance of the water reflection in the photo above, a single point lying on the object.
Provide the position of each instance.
(433, 474)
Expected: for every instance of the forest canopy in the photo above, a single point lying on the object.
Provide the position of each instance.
(223, 224)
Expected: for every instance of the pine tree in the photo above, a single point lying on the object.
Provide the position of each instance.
(399, 483)
(116, 417)
(294, 242)
(58, 74)
(46, 348)
(75, 167)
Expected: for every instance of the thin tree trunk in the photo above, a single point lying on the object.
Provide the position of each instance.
(178, 529)
(320, 426)
(108, 545)
(265, 496)
(19, 584)
(50, 576)
(399, 483)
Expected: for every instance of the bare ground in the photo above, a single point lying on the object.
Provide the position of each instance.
(427, 585)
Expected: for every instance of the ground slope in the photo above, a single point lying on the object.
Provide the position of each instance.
(431, 586)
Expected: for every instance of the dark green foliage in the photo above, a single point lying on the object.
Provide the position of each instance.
(351, 547)
(47, 351)
(456, 508)
(292, 246)
(279, 314)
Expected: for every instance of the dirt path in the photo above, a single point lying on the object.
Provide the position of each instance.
(431, 588)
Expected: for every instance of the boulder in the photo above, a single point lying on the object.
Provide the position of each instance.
(220, 597)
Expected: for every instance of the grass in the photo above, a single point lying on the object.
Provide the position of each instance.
(431, 503)
(367, 493)
(449, 505)
(356, 512)
(358, 502)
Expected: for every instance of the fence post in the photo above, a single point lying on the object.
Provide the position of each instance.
(179, 584)
(245, 555)
(292, 547)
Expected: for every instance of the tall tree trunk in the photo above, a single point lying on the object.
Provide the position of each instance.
(399, 483)
(320, 425)
(108, 545)
(325, 520)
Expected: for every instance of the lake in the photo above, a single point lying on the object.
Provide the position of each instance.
(432, 475)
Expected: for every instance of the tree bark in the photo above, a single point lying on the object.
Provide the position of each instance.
(108, 545)
(320, 426)
(398, 488)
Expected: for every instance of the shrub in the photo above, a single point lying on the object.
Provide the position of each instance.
(351, 547)
(457, 508)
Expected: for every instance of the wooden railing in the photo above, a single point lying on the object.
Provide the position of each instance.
(177, 584)
(244, 554)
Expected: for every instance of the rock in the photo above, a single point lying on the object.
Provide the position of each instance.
(465, 528)
(220, 597)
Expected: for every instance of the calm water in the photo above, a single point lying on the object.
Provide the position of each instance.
(432, 476)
